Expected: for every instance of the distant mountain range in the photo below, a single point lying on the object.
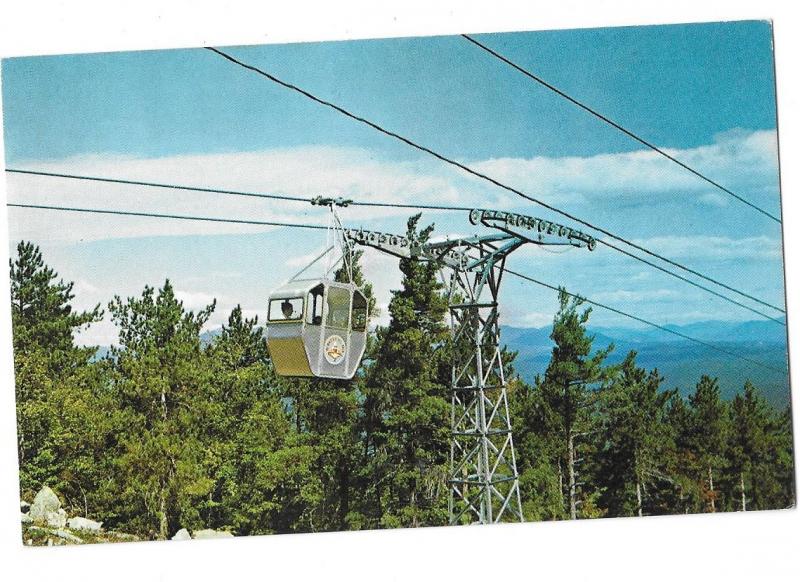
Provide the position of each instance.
(680, 361)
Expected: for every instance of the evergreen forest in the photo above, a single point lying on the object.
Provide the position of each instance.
(175, 428)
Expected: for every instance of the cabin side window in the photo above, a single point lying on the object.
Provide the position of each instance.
(288, 309)
(359, 312)
(338, 308)
(314, 311)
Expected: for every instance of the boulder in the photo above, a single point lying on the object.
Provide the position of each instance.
(46, 502)
(206, 534)
(26, 518)
(81, 523)
(182, 534)
(56, 519)
(46, 509)
(24, 506)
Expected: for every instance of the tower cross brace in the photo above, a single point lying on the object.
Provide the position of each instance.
(483, 481)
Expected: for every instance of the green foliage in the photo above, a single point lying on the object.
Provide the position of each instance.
(406, 403)
(169, 431)
(539, 460)
(161, 378)
(632, 409)
(47, 365)
(326, 417)
(568, 398)
(758, 454)
(707, 434)
(262, 472)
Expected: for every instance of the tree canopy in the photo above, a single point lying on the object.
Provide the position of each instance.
(180, 426)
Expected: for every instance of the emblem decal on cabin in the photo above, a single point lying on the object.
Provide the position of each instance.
(334, 349)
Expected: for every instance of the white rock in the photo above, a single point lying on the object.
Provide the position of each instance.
(24, 506)
(47, 499)
(25, 518)
(45, 502)
(65, 535)
(182, 534)
(205, 534)
(56, 519)
(81, 523)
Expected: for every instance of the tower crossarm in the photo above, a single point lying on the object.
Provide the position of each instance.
(483, 481)
(532, 229)
(474, 253)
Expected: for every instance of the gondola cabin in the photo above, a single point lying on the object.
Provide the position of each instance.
(317, 328)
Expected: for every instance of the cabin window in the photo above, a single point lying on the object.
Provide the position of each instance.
(288, 309)
(359, 312)
(338, 307)
(314, 314)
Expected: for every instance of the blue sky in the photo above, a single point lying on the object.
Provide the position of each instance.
(706, 92)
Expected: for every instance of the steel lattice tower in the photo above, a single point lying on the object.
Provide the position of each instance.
(483, 478)
(483, 481)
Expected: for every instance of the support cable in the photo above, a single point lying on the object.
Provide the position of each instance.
(619, 127)
(646, 322)
(383, 205)
(489, 179)
(320, 227)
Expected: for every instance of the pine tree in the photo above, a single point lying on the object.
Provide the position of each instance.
(161, 377)
(406, 435)
(747, 445)
(679, 458)
(758, 454)
(326, 413)
(566, 389)
(48, 371)
(538, 444)
(781, 459)
(41, 310)
(632, 411)
(708, 433)
(263, 474)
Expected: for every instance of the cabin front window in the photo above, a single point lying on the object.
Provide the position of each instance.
(289, 309)
(338, 308)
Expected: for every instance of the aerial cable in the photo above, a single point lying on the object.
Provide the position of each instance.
(699, 286)
(158, 185)
(174, 216)
(645, 321)
(489, 179)
(250, 194)
(320, 227)
(327, 201)
(619, 127)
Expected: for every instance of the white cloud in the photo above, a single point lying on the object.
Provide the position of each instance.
(103, 333)
(529, 319)
(743, 158)
(195, 300)
(301, 172)
(740, 159)
(300, 261)
(714, 247)
(635, 296)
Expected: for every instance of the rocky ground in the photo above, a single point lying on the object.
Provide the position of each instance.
(46, 523)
